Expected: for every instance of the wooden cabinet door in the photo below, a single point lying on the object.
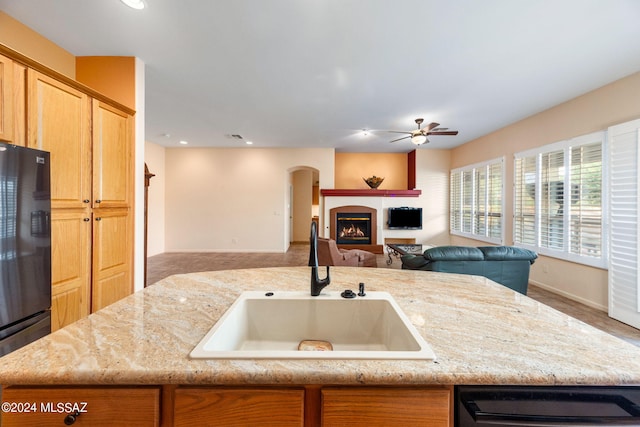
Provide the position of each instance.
(97, 407)
(70, 266)
(238, 407)
(112, 157)
(19, 105)
(58, 121)
(112, 256)
(6, 99)
(369, 406)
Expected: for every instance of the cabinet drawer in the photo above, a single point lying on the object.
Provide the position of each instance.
(369, 407)
(238, 407)
(98, 406)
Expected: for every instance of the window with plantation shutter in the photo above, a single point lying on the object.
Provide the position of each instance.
(558, 209)
(476, 202)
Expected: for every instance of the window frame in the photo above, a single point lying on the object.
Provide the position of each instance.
(471, 171)
(565, 252)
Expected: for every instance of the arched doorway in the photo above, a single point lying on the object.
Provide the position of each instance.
(303, 203)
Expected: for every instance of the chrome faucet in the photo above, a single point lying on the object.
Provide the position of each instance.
(317, 284)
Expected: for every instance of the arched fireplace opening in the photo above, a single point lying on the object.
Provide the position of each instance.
(355, 227)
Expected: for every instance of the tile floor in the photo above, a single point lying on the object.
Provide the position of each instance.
(167, 264)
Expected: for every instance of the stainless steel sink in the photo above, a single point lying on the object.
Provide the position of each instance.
(263, 325)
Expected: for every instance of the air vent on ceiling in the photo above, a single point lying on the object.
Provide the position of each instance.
(234, 136)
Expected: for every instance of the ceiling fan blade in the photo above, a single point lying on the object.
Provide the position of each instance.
(431, 126)
(398, 131)
(449, 132)
(400, 139)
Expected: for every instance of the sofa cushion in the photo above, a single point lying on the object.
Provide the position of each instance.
(452, 253)
(507, 253)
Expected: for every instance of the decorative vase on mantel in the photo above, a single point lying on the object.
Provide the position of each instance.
(373, 182)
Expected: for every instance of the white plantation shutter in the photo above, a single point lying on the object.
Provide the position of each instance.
(476, 202)
(495, 191)
(455, 201)
(586, 212)
(480, 223)
(552, 200)
(524, 221)
(467, 201)
(624, 289)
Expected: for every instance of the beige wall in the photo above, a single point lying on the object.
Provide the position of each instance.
(234, 199)
(432, 177)
(614, 103)
(352, 167)
(155, 160)
(23, 39)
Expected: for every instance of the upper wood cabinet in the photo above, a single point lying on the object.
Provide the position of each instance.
(19, 101)
(59, 122)
(6, 99)
(112, 156)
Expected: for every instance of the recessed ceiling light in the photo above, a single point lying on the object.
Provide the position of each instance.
(134, 4)
(184, 142)
(249, 143)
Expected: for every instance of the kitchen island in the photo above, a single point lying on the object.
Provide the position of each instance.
(480, 331)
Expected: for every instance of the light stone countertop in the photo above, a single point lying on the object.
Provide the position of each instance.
(481, 333)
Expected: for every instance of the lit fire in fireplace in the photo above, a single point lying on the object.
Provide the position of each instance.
(352, 231)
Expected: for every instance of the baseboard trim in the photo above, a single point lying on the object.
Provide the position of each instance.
(237, 251)
(570, 296)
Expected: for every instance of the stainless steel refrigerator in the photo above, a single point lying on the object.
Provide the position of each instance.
(25, 246)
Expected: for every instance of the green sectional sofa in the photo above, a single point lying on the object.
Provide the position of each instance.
(507, 265)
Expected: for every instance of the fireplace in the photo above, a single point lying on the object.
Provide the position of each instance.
(354, 227)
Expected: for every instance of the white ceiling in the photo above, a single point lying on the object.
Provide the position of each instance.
(314, 73)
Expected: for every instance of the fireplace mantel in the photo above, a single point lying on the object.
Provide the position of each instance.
(371, 193)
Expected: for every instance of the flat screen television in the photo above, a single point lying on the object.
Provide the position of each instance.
(404, 218)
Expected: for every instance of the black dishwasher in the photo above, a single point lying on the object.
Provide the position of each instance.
(547, 406)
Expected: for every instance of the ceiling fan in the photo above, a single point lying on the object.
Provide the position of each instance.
(419, 136)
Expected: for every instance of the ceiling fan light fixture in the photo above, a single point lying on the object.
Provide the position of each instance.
(418, 139)
(134, 4)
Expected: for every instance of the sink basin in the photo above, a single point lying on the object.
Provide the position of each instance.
(271, 325)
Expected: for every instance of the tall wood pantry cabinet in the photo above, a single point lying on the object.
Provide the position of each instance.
(90, 139)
